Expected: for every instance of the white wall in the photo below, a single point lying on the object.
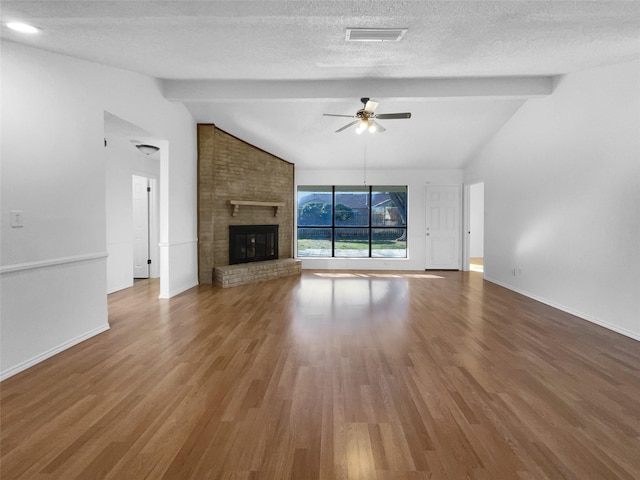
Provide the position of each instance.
(122, 161)
(416, 181)
(562, 198)
(53, 270)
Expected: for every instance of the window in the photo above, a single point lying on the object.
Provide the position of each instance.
(364, 222)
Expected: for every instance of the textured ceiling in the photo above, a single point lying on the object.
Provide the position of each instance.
(288, 41)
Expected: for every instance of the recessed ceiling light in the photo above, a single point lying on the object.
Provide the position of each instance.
(375, 34)
(23, 27)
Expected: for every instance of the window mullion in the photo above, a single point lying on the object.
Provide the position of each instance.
(370, 219)
(333, 221)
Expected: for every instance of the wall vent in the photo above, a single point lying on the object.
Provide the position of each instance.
(375, 34)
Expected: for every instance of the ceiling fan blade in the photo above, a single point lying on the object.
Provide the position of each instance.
(379, 128)
(392, 116)
(347, 126)
(336, 115)
(370, 106)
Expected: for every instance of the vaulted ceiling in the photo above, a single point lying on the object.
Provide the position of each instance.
(266, 71)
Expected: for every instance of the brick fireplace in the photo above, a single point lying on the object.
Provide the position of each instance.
(240, 185)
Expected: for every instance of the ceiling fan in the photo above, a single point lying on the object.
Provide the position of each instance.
(365, 117)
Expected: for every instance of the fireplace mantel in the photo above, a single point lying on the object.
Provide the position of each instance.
(236, 205)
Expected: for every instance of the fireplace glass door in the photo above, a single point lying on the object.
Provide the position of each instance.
(252, 243)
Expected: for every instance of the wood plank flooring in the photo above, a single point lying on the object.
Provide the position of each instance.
(332, 375)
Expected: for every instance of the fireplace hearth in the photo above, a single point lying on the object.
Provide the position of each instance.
(252, 243)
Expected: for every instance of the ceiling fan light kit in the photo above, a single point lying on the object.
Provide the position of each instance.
(368, 125)
(365, 118)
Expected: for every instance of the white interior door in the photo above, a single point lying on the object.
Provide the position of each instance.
(140, 227)
(443, 224)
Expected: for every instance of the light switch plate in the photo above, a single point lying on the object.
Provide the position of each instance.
(17, 220)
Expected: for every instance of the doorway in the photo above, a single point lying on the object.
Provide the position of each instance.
(476, 227)
(124, 160)
(141, 227)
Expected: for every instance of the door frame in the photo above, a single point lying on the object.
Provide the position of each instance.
(466, 228)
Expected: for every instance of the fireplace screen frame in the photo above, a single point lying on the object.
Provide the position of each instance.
(253, 243)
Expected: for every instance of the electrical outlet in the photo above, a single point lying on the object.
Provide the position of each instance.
(17, 220)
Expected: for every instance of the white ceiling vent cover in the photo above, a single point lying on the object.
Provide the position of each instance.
(375, 34)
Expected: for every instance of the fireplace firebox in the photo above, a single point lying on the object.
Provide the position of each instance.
(252, 243)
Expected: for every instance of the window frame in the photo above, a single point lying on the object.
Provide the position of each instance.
(333, 227)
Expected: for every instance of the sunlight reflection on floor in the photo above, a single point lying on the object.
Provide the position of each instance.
(476, 264)
(375, 275)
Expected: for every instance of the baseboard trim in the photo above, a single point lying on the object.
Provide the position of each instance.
(50, 353)
(178, 291)
(575, 313)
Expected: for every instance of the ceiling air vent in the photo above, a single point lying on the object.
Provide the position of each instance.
(375, 34)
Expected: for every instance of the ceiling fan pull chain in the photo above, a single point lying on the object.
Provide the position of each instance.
(364, 140)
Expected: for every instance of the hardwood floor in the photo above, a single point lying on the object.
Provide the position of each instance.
(332, 375)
